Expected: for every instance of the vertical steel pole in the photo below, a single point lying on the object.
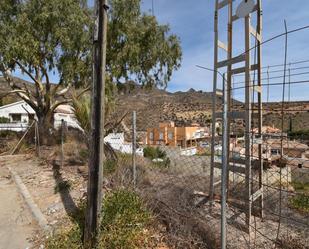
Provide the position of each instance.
(134, 147)
(214, 103)
(62, 127)
(95, 176)
(225, 148)
(248, 140)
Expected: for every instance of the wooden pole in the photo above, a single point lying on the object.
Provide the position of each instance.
(95, 176)
(22, 138)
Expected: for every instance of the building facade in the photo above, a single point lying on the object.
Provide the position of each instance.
(19, 115)
(169, 135)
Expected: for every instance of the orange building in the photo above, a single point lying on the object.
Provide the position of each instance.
(170, 135)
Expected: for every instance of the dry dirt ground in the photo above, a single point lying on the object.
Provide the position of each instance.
(17, 225)
(41, 179)
(185, 217)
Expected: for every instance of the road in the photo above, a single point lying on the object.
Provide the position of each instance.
(16, 222)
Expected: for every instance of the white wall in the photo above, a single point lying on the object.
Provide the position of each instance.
(188, 151)
(20, 107)
(69, 119)
(116, 141)
(24, 109)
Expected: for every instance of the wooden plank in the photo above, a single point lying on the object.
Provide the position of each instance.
(222, 4)
(243, 69)
(255, 33)
(234, 60)
(256, 195)
(222, 45)
(235, 167)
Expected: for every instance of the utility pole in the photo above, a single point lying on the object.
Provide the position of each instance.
(95, 175)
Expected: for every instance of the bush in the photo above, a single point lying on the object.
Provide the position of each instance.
(156, 152)
(301, 134)
(4, 120)
(152, 153)
(124, 220)
(110, 166)
(300, 202)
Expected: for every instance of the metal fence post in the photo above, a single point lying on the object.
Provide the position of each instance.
(62, 128)
(134, 147)
(225, 148)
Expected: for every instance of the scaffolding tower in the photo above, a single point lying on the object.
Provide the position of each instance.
(253, 109)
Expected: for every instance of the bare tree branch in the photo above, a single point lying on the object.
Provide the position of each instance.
(37, 83)
(63, 91)
(83, 92)
(58, 103)
(16, 89)
(12, 92)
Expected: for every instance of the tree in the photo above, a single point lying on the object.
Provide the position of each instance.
(139, 47)
(43, 37)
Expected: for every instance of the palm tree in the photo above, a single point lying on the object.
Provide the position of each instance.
(82, 111)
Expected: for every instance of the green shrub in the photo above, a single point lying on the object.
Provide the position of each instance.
(154, 152)
(66, 239)
(301, 187)
(84, 154)
(300, 134)
(110, 166)
(4, 120)
(5, 134)
(300, 202)
(124, 219)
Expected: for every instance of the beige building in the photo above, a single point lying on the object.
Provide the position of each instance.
(170, 135)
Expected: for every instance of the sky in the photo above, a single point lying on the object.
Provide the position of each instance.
(192, 22)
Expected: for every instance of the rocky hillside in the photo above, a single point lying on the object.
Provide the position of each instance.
(155, 105)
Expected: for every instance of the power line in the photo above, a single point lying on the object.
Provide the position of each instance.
(273, 84)
(277, 71)
(275, 77)
(278, 36)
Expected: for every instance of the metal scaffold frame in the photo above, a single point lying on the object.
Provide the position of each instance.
(248, 114)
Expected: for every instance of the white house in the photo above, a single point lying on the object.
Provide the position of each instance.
(117, 142)
(65, 113)
(21, 115)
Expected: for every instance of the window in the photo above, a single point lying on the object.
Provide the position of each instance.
(16, 117)
(170, 135)
(275, 152)
(151, 135)
(161, 135)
